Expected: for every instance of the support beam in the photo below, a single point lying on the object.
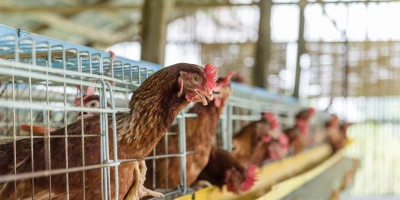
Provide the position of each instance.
(60, 23)
(263, 46)
(70, 10)
(65, 10)
(42, 27)
(179, 5)
(301, 48)
(154, 29)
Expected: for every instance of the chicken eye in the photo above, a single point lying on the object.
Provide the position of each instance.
(93, 105)
(196, 78)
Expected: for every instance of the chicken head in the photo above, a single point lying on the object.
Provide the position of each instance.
(222, 90)
(196, 87)
(237, 183)
(89, 100)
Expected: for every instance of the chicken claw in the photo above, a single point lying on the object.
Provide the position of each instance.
(138, 191)
(133, 191)
(144, 191)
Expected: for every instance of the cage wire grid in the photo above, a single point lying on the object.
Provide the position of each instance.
(39, 78)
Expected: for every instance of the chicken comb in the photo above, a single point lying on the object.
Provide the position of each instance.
(303, 126)
(227, 79)
(347, 124)
(334, 120)
(211, 72)
(270, 117)
(112, 56)
(284, 140)
(89, 92)
(239, 78)
(250, 178)
(266, 138)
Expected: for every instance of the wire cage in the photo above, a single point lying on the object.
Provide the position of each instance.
(39, 80)
(43, 82)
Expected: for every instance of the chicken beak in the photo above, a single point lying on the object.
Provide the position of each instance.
(204, 95)
(209, 95)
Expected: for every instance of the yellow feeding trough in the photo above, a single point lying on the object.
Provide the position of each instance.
(280, 178)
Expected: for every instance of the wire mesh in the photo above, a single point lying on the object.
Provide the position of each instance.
(39, 80)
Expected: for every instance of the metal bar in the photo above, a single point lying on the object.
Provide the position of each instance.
(83, 136)
(158, 157)
(228, 144)
(182, 152)
(115, 145)
(103, 103)
(13, 110)
(65, 127)
(224, 125)
(5, 63)
(37, 106)
(51, 136)
(48, 164)
(31, 116)
(103, 147)
(53, 172)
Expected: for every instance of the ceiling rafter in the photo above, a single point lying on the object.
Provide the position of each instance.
(43, 27)
(60, 23)
(180, 5)
(95, 35)
(64, 10)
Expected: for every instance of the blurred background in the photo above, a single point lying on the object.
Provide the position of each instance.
(342, 56)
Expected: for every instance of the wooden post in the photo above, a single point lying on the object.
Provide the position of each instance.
(154, 29)
(263, 46)
(301, 48)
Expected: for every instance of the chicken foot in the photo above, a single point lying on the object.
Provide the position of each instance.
(137, 190)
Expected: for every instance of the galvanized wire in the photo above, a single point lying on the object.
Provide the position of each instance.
(51, 69)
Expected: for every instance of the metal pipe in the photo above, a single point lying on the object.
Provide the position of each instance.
(115, 145)
(182, 152)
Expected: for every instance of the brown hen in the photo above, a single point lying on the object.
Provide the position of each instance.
(223, 169)
(299, 134)
(335, 135)
(200, 134)
(246, 142)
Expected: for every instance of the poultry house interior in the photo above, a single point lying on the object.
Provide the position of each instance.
(211, 99)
